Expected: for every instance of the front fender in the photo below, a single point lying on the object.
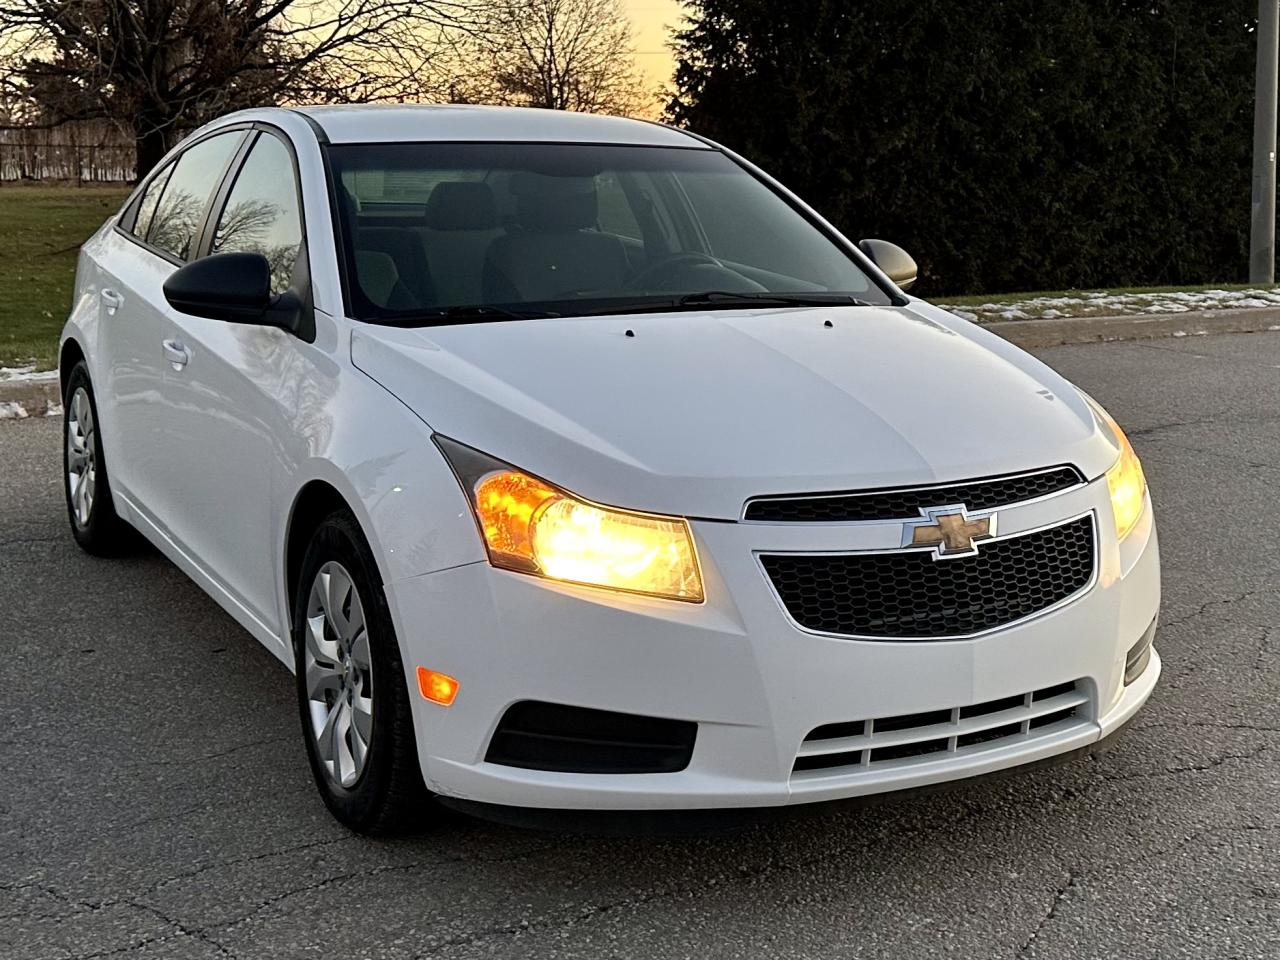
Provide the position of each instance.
(379, 456)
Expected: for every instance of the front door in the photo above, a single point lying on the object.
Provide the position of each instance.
(232, 396)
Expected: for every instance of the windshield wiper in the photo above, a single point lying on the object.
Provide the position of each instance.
(729, 298)
(467, 313)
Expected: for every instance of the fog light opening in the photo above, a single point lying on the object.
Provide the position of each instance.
(1139, 656)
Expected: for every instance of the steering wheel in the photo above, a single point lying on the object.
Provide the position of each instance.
(666, 270)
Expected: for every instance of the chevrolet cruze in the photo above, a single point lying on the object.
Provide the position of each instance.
(572, 462)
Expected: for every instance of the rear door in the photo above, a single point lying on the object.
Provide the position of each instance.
(157, 233)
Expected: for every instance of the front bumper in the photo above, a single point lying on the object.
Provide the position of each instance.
(755, 683)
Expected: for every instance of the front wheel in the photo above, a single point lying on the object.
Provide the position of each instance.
(352, 695)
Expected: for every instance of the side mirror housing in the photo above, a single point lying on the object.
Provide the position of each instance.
(896, 263)
(235, 287)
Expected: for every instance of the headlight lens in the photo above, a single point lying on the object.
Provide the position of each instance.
(1125, 480)
(533, 527)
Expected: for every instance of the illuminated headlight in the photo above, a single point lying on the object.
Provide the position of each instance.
(1125, 480)
(531, 526)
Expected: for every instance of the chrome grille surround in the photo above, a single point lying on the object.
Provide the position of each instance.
(905, 503)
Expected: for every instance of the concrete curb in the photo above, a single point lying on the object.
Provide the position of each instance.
(27, 398)
(36, 398)
(1030, 334)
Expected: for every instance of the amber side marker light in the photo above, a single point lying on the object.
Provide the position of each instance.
(437, 687)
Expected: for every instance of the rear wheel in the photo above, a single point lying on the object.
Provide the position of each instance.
(94, 522)
(352, 695)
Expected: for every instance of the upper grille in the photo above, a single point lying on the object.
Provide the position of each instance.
(909, 595)
(844, 748)
(906, 503)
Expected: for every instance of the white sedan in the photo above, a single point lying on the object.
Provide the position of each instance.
(571, 462)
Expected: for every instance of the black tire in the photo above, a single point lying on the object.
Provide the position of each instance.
(102, 532)
(389, 795)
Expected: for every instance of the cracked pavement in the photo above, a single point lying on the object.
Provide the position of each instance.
(155, 800)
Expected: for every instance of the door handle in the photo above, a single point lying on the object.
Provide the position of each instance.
(176, 353)
(111, 299)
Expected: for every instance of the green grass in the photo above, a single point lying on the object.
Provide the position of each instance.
(41, 229)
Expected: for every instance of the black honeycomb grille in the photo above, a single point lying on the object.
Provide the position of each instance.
(903, 504)
(909, 595)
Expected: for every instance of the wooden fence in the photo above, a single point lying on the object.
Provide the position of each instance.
(82, 156)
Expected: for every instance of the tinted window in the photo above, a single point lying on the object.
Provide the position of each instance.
(572, 229)
(261, 213)
(615, 214)
(147, 205)
(744, 224)
(186, 196)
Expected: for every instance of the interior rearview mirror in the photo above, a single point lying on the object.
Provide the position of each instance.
(896, 263)
(235, 287)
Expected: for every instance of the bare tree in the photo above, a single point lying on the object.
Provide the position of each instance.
(560, 54)
(163, 67)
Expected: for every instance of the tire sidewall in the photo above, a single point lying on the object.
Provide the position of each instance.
(359, 806)
(95, 534)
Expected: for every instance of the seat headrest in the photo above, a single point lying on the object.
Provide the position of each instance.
(461, 205)
(350, 203)
(546, 203)
(377, 275)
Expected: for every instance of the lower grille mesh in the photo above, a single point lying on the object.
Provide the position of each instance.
(909, 595)
(844, 748)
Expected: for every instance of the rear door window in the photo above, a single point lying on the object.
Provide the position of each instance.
(186, 195)
(150, 199)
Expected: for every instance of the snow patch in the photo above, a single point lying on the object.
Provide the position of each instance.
(27, 374)
(1101, 303)
(12, 410)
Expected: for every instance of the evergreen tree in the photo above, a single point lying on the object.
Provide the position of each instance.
(1008, 144)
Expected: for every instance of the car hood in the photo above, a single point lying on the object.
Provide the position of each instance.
(693, 413)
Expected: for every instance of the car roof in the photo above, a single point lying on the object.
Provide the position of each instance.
(391, 123)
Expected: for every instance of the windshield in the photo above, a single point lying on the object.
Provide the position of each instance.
(439, 231)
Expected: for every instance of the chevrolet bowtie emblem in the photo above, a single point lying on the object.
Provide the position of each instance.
(952, 531)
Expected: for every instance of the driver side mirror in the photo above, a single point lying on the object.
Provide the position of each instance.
(235, 287)
(896, 263)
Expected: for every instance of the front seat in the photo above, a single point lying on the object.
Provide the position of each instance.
(461, 222)
(391, 265)
(550, 253)
(402, 247)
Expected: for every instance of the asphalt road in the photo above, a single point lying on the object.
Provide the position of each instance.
(155, 802)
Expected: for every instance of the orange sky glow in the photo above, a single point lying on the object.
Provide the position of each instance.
(652, 22)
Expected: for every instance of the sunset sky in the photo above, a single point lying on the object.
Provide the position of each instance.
(652, 22)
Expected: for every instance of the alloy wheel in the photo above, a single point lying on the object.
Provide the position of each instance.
(339, 674)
